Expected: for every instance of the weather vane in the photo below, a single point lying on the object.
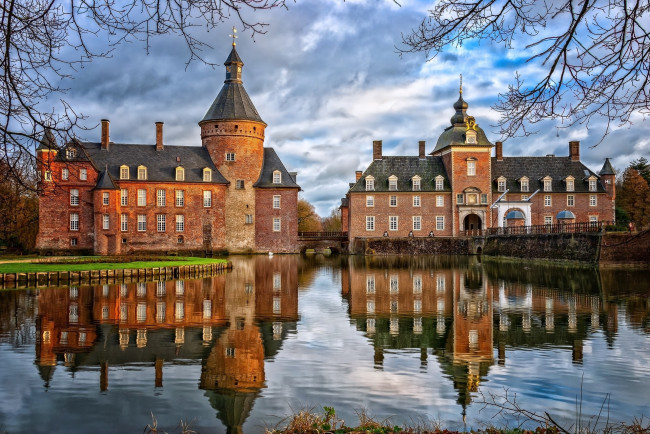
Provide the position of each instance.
(233, 36)
(461, 84)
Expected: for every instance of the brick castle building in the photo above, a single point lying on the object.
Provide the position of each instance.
(461, 188)
(231, 193)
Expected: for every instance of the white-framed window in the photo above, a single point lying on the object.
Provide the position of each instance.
(180, 174)
(440, 222)
(47, 176)
(471, 167)
(370, 306)
(392, 201)
(248, 219)
(276, 224)
(460, 198)
(239, 184)
(394, 284)
(73, 241)
(106, 221)
(440, 182)
(416, 183)
(441, 285)
(417, 223)
(230, 156)
(65, 174)
(392, 183)
(548, 220)
(124, 172)
(548, 184)
(161, 197)
(593, 220)
(124, 197)
(484, 198)
(207, 199)
(593, 200)
(142, 173)
(570, 200)
(370, 183)
(161, 222)
(524, 184)
(83, 174)
(392, 223)
(440, 201)
(570, 185)
(370, 201)
(70, 153)
(547, 200)
(142, 222)
(180, 198)
(276, 202)
(74, 197)
(142, 197)
(207, 175)
(277, 177)
(416, 200)
(592, 184)
(417, 283)
(370, 223)
(501, 184)
(74, 221)
(105, 198)
(180, 223)
(124, 222)
(524, 197)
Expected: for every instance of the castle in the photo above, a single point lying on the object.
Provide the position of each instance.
(230, 194)
(460, 189)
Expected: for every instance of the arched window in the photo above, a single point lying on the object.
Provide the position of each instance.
(277, 177)
(142, 173)
(124, 172)
(180, 174)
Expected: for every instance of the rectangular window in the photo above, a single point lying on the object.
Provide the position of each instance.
(593, 220)
(105, 198)
(460, 198)
(106, 222)
(142, 222)
(484, 198)
(370, 284)
(394, 284)
(161, 197)
(569, 185)
(83, 174)
(74, 222)
(440, 201)
(439, 183)
(417, 223)
(124, 197)
(501, 185)
(180, 223)
(593, 201)
(393, 201)
(570, 200)
(239, 184)
(416, 200)
(276, 202)
(416, 185)
(392, 184)
(142, 197)
(547, 200)
(74, 197)
(124, 222)
(276, 224)
(161, 222)
(471, 168)
(142, 173)
(277, 177)
(124, 172)
(440, 223)
(249, 219)
(524, 197)
(392, 223)
(592, 185)
(548, 220)
(370, 223)
(65, 174)
(207, 175)
(524, 185)
(230, 156)
(207, 199)
(547, 185)
(370, 201)
(370, 184)
(180, 198)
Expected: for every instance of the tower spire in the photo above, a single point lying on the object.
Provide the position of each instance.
(233, 36)
(461, 84)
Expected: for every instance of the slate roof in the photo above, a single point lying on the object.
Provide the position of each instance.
(161, 165)
(536, 168)
(104, 182)
(455, 134)
(607, 168)
(272, 163)
(48, 141)
(404, 168)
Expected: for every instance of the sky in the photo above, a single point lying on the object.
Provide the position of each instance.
(328, 80)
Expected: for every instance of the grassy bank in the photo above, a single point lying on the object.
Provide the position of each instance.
(86, 263)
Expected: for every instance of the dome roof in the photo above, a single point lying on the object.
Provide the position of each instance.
(515, 214)
(456, 134)
(565, 214)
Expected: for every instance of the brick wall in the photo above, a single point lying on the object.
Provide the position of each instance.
(266, 238)
(460, 181)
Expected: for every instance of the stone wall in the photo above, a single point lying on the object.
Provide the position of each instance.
(625, 248)
(413, 246)
(563, 247)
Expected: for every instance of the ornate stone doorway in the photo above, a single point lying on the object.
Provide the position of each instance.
(472, 222)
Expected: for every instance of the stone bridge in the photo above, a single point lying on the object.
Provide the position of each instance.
(320, 242)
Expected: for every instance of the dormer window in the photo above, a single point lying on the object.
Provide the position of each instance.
(370, 183)
(416, 183)
(392, 183)
(570, 184)
(70, 153)
(277, 177)
(548, 183)
(524, 184)
(207, 175)
(142, 173)
(592, 183)
(180, 174)
(440, 182)
(471, 167)
(124, 172)
(501, 184)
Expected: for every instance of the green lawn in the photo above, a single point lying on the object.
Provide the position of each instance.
(101, 263)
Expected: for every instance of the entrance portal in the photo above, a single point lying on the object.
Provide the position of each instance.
(472, 222)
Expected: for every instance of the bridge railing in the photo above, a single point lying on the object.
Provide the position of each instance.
(556, 228)
(323, 235)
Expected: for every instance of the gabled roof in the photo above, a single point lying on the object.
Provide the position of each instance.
(536, 168)
(404, 168)
(272, 163)
(160, 165)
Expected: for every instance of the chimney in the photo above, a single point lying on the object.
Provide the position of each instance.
(105, 134)
(421, 145)
(499, 151)
(159, 136)
(376, 149)
(574, 151)
(358, 174)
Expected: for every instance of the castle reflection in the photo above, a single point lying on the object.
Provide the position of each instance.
(230, 322)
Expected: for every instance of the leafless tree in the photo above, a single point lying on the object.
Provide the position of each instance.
(595, 55)
(45, 41)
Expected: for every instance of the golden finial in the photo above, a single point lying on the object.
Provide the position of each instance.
(461, 84)
(233, 36)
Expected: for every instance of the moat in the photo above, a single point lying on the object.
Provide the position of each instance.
(403, 337)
